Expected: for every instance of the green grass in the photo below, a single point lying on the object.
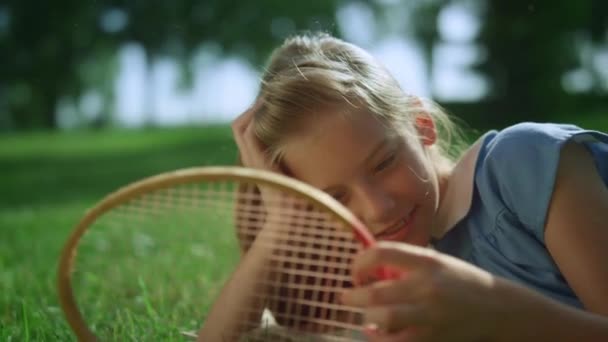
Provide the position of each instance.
(132, 283)
(48, 181)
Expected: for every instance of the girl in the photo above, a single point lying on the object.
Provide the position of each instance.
(517, 221)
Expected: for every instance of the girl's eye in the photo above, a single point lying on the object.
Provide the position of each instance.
(385, 163)
(339, 196)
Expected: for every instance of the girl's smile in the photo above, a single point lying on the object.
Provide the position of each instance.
(399, 231)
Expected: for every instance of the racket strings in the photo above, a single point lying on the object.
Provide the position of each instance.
(212, 224)
(312, 267)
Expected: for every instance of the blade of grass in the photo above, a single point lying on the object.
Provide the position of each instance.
(26, 328)
(149, 308)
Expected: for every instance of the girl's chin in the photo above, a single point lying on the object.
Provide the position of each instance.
(420, 236)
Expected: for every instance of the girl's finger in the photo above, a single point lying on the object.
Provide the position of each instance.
(386, 292)
(240, 124)
(406, 335)
(243, 120)
(250, 149)
(254, 144)
(244, 150)
(256, 150)
(395, 318)
(239, 132)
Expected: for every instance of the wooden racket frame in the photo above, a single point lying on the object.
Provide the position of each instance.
(317, 197)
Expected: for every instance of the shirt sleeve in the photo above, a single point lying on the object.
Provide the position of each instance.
(521, 163)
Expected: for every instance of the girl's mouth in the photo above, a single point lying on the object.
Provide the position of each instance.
(399, 230)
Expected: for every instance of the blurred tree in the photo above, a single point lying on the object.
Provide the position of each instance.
(44, 45)
(530, 45)
(55, 52)
(48, 47)
(416, 19)
(426, 30)
(598, 34)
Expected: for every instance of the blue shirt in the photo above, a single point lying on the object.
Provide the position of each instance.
(503, 229)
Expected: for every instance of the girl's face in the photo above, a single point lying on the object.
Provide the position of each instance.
(386, 181)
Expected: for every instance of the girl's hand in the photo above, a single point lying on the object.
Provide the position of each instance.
(436, 298)
(252, 154)
(251, 150)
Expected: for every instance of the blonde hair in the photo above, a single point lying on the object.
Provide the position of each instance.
(312, 72)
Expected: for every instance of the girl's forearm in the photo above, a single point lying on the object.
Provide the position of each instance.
(525, 315)
(238, 301)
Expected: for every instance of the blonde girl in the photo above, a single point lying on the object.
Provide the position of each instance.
(518, 220)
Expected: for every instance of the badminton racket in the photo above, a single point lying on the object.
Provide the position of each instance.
(215, 216)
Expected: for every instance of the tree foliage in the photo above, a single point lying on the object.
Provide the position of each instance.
(55, 51)
(530, 46)
(53, 47)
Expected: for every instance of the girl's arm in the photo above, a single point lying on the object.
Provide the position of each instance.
(224, 321)
(525, 315)
(576, 232)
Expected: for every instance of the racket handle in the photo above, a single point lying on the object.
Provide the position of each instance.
(387, 273)
(380, 273)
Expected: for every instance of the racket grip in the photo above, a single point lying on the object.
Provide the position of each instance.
(380, 273)
(387, 273)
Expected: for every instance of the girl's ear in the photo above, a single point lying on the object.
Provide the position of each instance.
(426, 129)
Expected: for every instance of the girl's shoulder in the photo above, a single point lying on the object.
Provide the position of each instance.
(533, 149)
(533, 137)
(518, 165)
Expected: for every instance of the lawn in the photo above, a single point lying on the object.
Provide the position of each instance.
(50, 179)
